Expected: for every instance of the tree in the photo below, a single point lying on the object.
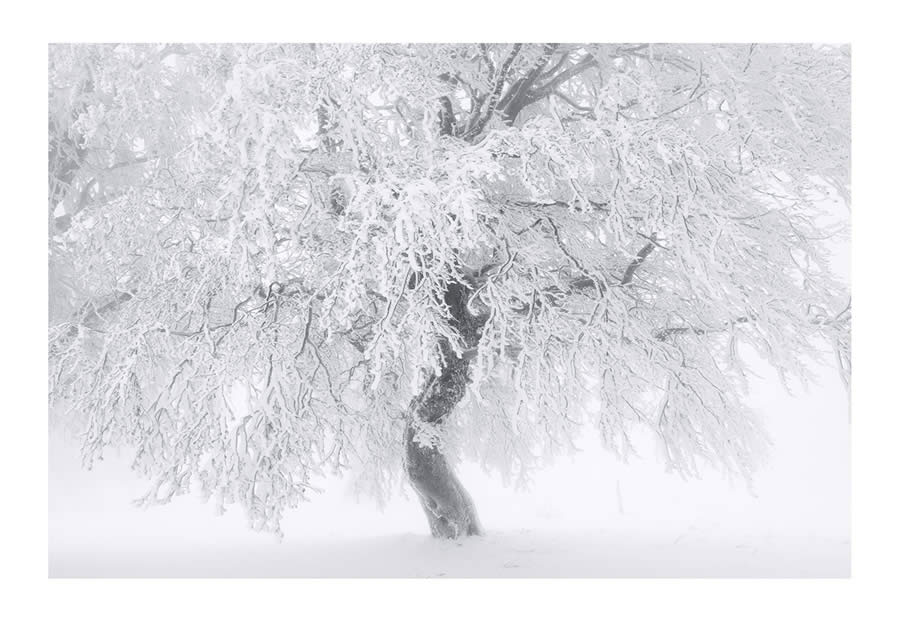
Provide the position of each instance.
(267, 261)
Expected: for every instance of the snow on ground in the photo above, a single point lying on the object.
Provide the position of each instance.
(507, 553)
(590, 516)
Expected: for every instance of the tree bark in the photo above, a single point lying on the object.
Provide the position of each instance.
(448, 507)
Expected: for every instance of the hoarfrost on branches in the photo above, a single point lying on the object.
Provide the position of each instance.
(251, 245)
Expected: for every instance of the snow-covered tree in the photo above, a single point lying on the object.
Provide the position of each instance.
(272, 261)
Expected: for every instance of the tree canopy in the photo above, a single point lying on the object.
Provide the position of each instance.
(251, 249)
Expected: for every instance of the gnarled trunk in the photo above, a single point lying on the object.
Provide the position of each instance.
(447, 505)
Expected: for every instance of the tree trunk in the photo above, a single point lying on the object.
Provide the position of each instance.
(447, 505)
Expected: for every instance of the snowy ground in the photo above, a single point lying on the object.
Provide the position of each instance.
(589, 517)
(506, 553)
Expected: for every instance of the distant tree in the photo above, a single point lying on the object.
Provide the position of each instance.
(269, 261)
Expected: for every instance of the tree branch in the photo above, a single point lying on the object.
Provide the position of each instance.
(446, 117)
(638, 260)
(664, 333)
(519, 93)
(585, 63)
(495, 94)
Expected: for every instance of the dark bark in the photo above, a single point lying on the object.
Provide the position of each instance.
(448, 507)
